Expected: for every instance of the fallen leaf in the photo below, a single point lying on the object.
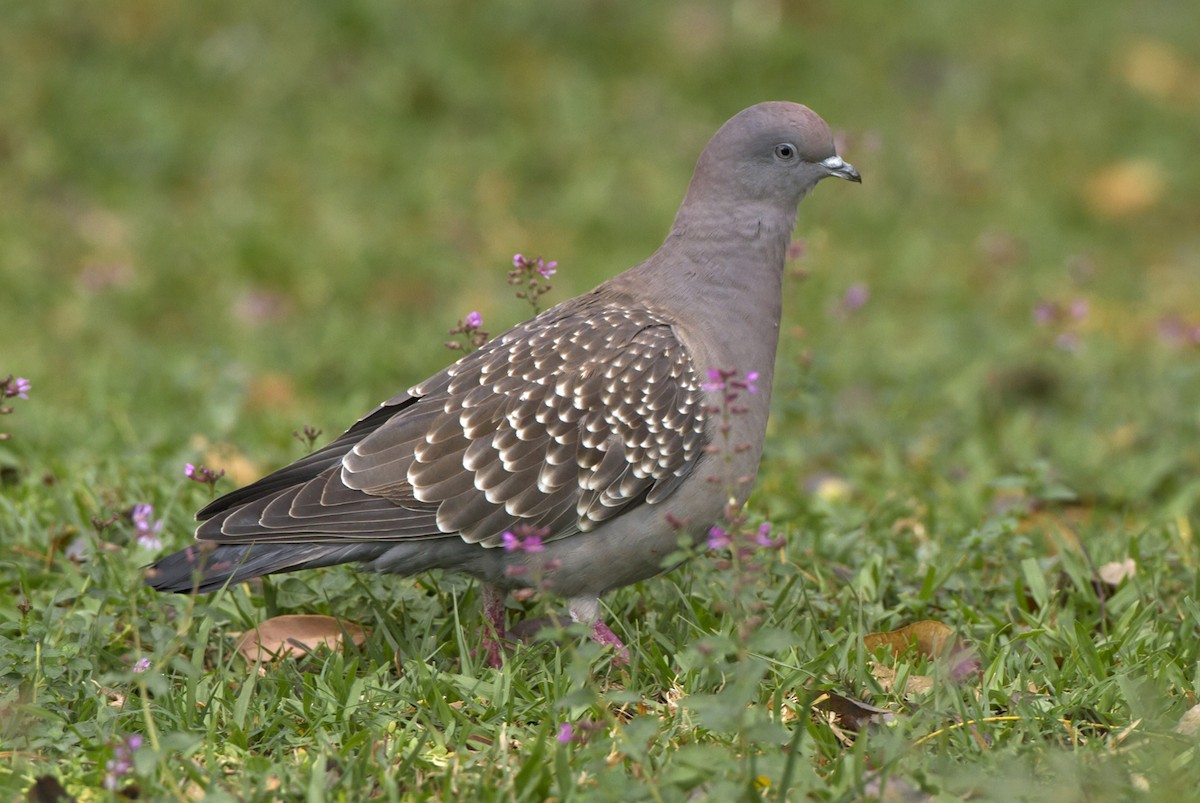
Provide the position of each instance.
(849, 713)
(931, 639)
(1116, 572)
(1124, 189)
(296, 634)
(886, 676)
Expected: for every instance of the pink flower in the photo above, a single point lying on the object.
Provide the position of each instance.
(473, 320)
(142, 665)
(718, 538)
(529, 544)
(146, 530)
(566, 733)
(15, 388)
(856, 297)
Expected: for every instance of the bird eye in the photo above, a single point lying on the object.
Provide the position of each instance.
(785, 151)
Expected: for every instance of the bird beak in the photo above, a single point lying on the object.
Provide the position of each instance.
(841, 169)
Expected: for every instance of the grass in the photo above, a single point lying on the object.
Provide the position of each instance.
(221, 224)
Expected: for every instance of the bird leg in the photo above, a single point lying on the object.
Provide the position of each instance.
(493, 623)
(587, 611)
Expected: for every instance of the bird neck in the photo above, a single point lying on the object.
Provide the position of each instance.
(725, 259)
(721, 269)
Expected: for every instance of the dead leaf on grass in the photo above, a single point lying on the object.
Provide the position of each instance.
(931, 639)
(296, 634)
(1116, 572)
(886, 677)
(851, 714)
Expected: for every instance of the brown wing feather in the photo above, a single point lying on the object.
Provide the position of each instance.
(563, 422)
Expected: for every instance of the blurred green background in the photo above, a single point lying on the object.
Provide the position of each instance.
(221, 221)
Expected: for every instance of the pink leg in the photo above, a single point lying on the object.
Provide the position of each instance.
(493, 623)
(587, 610)
(603, 635)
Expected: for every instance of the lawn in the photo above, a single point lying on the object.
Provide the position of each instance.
(222, 223)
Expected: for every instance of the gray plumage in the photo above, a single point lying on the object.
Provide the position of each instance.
(588, 422)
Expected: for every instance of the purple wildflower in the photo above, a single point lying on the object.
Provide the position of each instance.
(142, 665)
(715, 381)
(529, 543)
(751, 378)
(122, 761)
(473, 320)
(1178, 332)
(531, 272)
(566, 733)
(146, 530)
(17, 388)
(763, 537)
(202, 475)
(856, 297)
(718, 538)
(1045, 312)
(1079, 309)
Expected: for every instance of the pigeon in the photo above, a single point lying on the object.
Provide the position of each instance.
(573, 452)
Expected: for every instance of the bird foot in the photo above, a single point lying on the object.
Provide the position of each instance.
(603, 635)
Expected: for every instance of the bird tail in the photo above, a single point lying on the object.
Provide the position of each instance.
(205, 567)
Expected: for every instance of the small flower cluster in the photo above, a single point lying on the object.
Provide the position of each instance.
(721, 538)
(530, 541)
(1063, 319)
(122, 761)
(12, 388)
(719, 379)
(1178, 333)
(578, 733)
(307, 436)
(471, 333)
(734, 533)
(531, 273)
(729, 385)
(855, 298)
(145, 530)
(202, 475)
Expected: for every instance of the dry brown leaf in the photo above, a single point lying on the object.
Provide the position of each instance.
(1189, 723)
(296, 634)
(931, 639)
(886, 676)
(1124, 189)
(849, 713)
(1116, 572)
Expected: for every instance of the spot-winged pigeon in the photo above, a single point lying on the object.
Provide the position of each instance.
(587, 422)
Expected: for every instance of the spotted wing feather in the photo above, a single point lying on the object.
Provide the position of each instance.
(561, 423)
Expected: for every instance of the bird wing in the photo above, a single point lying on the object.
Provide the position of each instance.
(561, 423)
